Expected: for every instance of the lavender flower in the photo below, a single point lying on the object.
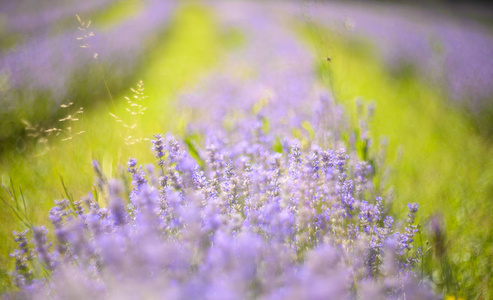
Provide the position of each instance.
(23, 275)
(158, 148)
(42, 247)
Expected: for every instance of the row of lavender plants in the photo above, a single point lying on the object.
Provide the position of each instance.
(234, 219)
(40, 74)
(453, 52)
(22, 20)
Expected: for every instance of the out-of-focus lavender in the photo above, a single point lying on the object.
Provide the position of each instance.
(271, 74)
(455, 53)
(44, 71)
(251, 223)
(21, 20)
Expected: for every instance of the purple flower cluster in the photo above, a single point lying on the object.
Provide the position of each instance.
(250, 223)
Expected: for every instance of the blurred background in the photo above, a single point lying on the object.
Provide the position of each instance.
(71, 92)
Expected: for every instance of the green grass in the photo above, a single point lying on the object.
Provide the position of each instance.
(437, 157)
(192, 44)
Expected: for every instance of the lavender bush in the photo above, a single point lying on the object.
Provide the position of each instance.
(250, 222)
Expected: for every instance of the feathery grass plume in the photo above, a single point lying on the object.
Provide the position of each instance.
(134, 108)
(86, 36)
(38, 134)
(34, 131)
(69, 120)
(41, 135)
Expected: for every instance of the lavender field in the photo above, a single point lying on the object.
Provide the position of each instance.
(245, 150)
